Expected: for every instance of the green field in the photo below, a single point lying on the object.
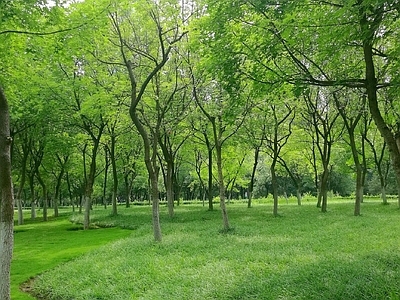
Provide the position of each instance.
(303, 254)
(40, 246)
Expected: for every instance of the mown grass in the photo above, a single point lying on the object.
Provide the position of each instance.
(303, 254)
(40, 246)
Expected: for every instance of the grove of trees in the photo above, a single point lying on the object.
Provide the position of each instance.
(105, 101)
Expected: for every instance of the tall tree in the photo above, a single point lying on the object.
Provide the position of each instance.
(225, 117)
(321, 117)
(348, 106)
(281, 129)
(150, 46)
(6, 198)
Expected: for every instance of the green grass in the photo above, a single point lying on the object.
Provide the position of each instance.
(40, 246)
(303, 254)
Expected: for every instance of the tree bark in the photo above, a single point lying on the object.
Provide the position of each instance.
(210, 173)
(253, 174)
(274, 188)
(351, 124)
(155, 206)
(44, 194)
(221, 184)
(170, 188)
(90, 182)
(150, 159)
(62, 162)
(107, 165)
(323, 193)
(25, 154)
(6, 198)
(114, 172)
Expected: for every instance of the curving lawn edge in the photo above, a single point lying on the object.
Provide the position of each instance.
(41, 246)
(301, 255)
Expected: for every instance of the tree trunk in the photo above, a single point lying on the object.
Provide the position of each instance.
(371, 87)
(115, 175)
(359, 192)
(58, 185)
(44, 194)
(298, 194)
(224, 212)
(128, 190)
(90, 183)
(253, 174)
(169, 187)
(324, 189)
(210, 173)
(6, 200)
(107, 164)
(26, 144)
(150, 159)
(155, 206)
(274, 189)
(21, 187)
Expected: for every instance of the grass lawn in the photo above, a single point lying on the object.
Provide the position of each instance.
(303, 254)
(40, 246)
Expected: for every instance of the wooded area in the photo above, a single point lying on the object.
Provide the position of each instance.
(146, 101)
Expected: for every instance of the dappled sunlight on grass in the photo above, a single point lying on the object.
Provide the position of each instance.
(40, 246)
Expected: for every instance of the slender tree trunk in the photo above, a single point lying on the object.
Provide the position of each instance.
(210, 173)
(170, 188)
(88, 202)
(58, 187)
(150, 159)
(33, 200)
(253, 174)
(115, 175)
(155, 206)
(226, 226)
(71, 200)
(44, 194)
(20, 210)
(45, 204)
(6, 200)
(90, 183)
(298, 195)
(21, 188)
(324, 189)
(33, 209)
(128, 190)
(105, 179)
(359, 192)
(274, 188)
(319, 195)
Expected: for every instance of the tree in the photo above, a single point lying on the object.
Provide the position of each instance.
(225, 117)
(381, 161)
(202, 136)
(350, 109)
(153, 50)
(321, 118)
(7, 199)
(294, 159)
(276, 139)
(255, 134)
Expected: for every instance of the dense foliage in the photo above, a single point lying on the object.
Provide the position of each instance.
(127, 101)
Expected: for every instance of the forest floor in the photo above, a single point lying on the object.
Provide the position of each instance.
(302, 254)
